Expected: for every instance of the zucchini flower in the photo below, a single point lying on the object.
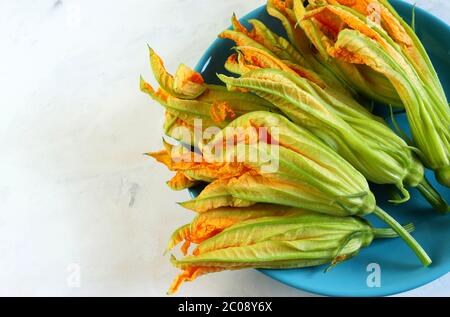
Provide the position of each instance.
(372, 35)
(362, 80)
(361, 138)
(303, 62)
(307, 174)
(192, 168)
(193, 106)
(213, 222)
(262, 239)
(262, 50)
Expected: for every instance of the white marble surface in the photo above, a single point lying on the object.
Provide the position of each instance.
(74, 190)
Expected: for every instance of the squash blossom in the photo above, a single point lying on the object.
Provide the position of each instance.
(262, 50)
(302, 61)
(191, 167)
(257, 237)
(212, 222)
(363, 139)
(308, 173)
(188, 98)
(370, 33)
(358, 78)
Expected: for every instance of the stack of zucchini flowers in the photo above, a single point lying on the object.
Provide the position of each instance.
(286, 149)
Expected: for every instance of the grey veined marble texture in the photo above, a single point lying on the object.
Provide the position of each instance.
(75, 197)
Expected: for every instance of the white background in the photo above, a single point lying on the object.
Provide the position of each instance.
(74, 187)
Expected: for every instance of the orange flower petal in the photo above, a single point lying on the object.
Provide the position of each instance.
(189, 275)
(220, 111)
(180, 181)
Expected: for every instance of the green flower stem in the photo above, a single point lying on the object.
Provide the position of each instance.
(443, 176)
(385, 233)
(404, 234)
(432, 196)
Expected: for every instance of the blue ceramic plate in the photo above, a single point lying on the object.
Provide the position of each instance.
(400, 269)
